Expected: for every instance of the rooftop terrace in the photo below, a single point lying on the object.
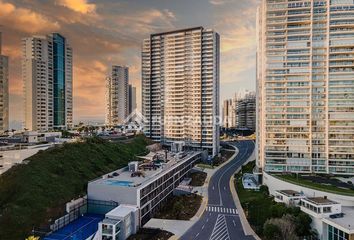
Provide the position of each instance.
(320, 201)
(344, 220)
(148, 169)
(290, 193)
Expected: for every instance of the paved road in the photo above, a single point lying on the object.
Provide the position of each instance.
(220, 221)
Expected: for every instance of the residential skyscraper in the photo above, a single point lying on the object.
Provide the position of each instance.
(4, 90)
(47, 75)
(227, 112)
(305, 86)
(117, 95)
(180, 87)
(246, 111)
(132, 99)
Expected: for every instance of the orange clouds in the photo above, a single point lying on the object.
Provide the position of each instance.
(81, 6)
(25, 20)
(103, 33)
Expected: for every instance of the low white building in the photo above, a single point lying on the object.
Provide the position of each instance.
(119, 223)
(319, 208)
(288, 197)
(339, 226)
(30, 137)
(147, 185)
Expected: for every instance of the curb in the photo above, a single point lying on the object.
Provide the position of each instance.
(248, 230)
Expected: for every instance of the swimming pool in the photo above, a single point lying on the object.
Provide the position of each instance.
(119, 183)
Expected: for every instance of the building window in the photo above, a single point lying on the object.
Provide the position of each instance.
(336, 234)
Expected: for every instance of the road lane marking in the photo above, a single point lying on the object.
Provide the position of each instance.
(234, 222)
(220, 230)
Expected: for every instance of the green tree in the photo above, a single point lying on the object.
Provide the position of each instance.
(278, 210)
(303, 224)
(271, 232)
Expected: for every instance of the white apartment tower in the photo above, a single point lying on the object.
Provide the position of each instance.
(4, 90)
(305, 86)
(47, 75)
(180, 87)
(117, 95)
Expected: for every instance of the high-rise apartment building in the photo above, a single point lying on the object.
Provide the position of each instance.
(117, 95)
(227, 113)
(246, 112)
(305, 86)
(48, 79)
(180, 87)
(4, 90)
(132, 98)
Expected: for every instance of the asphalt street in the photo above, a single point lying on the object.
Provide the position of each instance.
(220, 220)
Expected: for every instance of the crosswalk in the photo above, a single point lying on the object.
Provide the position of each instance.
(224, 210)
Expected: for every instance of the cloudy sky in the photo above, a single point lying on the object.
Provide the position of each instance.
(109, 32)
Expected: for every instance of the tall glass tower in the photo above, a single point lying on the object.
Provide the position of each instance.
(59, 79)
(305, 86)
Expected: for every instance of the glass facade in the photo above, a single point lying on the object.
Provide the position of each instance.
(306, 86)
(336, 234)
(59, 79)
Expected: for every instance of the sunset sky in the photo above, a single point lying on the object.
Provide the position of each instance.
(109, 32)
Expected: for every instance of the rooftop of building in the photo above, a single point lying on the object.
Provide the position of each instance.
(290, 193)
(320, 201)
(344, 220)
(151, 166)
(121, 211)
(109, 221)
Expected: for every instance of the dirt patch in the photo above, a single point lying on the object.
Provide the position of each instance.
(151, 234)
(180, 207)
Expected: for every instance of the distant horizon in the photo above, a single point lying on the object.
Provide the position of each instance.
(105, 33)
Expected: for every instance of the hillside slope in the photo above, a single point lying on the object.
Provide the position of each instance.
(32, 194)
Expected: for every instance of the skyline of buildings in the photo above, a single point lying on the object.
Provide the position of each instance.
(305, 86)
(47, 76)
(4, 90)
(180, 87)
(240, 111)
